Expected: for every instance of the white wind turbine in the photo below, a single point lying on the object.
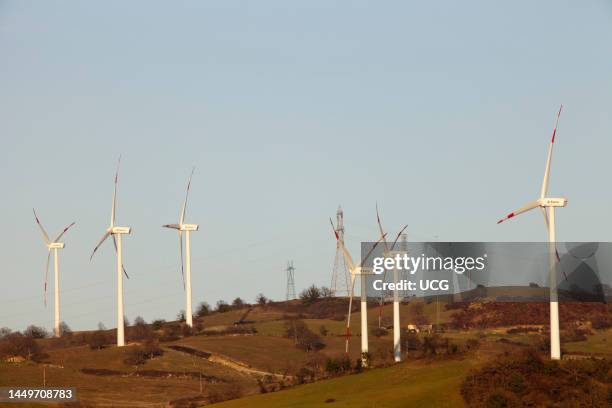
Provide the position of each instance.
(548, 210)
(357, 270)
(115, 232)
(53, 245)
(389, 252)
(181, 226)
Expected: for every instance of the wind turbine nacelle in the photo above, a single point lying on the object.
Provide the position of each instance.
(553, 202)
(189, 227)
(121, 230)
(56, 245)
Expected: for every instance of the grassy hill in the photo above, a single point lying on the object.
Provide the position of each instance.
(408, 384)
(222, 362)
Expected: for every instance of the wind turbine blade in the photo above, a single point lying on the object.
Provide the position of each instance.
(122, 267)
(173, 226)
(380, 228)
(365, 258)
(529, 206)
(348, 319)
(47, 276)
(334, 229)
(114, 208)
(42, 229)
(106, 234)
(181, 250)
(63, 232)
(182, 219)
(544, 189)
(399, 234)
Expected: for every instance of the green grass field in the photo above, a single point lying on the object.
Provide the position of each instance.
(407, 384)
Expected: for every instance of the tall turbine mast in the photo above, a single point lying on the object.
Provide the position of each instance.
(389, 251)
(290, 281)
(116, 232)
(340, 285)
(357, 270)
(53, 245)
(548, 205)
(186, 228)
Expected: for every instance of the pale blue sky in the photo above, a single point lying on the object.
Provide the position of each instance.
(440, 111)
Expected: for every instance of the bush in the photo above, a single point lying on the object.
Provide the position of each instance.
(16, 344)
(5, 331)
(323, 330)
(158, 324)
(139, 321)
(171, 332)
(64, 330)
(304, 338)
(180, 316)
(524, 379)
(222, 306)
(203, 309)
(140, 354)
(98, 339)
(140, 331)
(35, 332)
(238, 303)
(261, 300)
(310, 295)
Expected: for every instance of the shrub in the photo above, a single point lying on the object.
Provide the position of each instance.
(4, 331)
(64, 329)
(222, 306)
(261, 299)
(35, 332)
(524, 379)
(310, 295)
(16, 344)
(139, 321)
(180, 316)
(171, 332)
(157, 324)
(304, 338)
(140, 331)
(138, 355)
(203, 309)
(98, 339)
(238, 303)
(323, 330)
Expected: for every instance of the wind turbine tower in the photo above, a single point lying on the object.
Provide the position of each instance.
(186, 228)
(361, 271)
(53, 245)
(116, 232)
(290, 281)
(548, 205)
(390, 252)
(340, 278)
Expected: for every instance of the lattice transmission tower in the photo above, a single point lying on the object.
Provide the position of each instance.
(290, 281)
(340, 283)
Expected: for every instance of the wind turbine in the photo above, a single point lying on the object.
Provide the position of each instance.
(53, 245)
(389, 252)
(115, 232)
(181, 226)
(548, 206)
(356, 270)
